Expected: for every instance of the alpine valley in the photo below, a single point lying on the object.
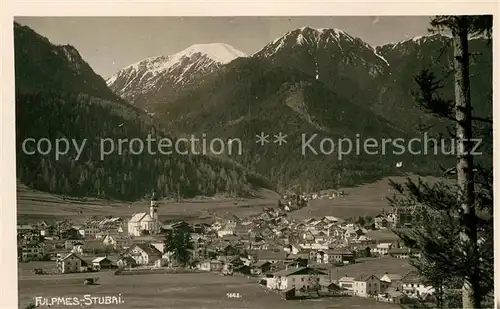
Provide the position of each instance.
(308, 81)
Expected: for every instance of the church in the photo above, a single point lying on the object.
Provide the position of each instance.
(144, 221)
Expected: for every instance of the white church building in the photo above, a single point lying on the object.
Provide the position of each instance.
(144, 221)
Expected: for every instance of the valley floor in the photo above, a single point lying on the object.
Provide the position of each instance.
(363, 200)
(175, 291)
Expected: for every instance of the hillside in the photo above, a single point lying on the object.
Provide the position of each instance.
(58, 96)
(291, 86)
(328, 82)
(435, 53)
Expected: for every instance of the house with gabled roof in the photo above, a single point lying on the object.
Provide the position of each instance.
(346, 283)
(334, 256)
(414, 286)
(390, 280)
(102, 263)
(71, 263)
(300, 278)
(144, 254)
(402, 253)
(366, 286)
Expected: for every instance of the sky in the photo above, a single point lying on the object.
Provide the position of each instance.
(109, 44)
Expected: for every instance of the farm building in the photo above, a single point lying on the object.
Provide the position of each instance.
(126, 261)
(102, 263)
(210, 265)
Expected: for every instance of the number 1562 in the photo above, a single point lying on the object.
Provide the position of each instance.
(233, 295)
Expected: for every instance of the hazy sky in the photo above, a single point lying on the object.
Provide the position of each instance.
(111, 43)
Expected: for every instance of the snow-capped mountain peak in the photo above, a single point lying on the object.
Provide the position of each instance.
(321, 47)
(315, 38)
(216, 52)
(421, 39)
(220, 52)
(180, 69)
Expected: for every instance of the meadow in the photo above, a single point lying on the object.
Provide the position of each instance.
(364, 200)
(175, 291)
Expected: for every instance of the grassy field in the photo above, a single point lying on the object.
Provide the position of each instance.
(365, 200)
(33, 206)
(175, 291)
(368, 199)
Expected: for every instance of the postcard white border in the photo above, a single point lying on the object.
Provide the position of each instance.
(8, 263)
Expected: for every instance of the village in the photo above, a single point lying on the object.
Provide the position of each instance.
(296, 259)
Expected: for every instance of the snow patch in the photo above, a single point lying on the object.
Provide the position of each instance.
(300, 39)
(111, 80)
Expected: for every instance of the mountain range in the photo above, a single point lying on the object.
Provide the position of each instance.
(59, 96)
(328, 82)
(308, 81)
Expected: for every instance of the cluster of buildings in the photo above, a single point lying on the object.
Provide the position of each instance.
(401, 217)
(287, 254)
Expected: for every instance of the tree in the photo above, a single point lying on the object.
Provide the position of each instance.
(361, 220)
(454, 239)
(179, 243)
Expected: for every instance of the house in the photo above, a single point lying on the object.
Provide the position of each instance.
(300, 278)
(77, 248)
(32, 252)
(90, 230)
(413, 286)
(126, 261)
(366, 286)
(402, 253)
(102, 263)
(390, 280)
(178, 225)
(334, 256)
(223, 232)
(382, 248)
(330, 219)
(292, 249)
(70, 243)
(48, 231)
(391, 295)
(381, 222)
(116, 241)
(144, 254)
(347, 283)
(71, 263)
(243, 269)
(25, 228)
(260, 268)
(111, 223)
(200, 228)
(230, 238)
(70, 233)
(210, 265)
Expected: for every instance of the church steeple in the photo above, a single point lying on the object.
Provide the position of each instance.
(153, 210)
